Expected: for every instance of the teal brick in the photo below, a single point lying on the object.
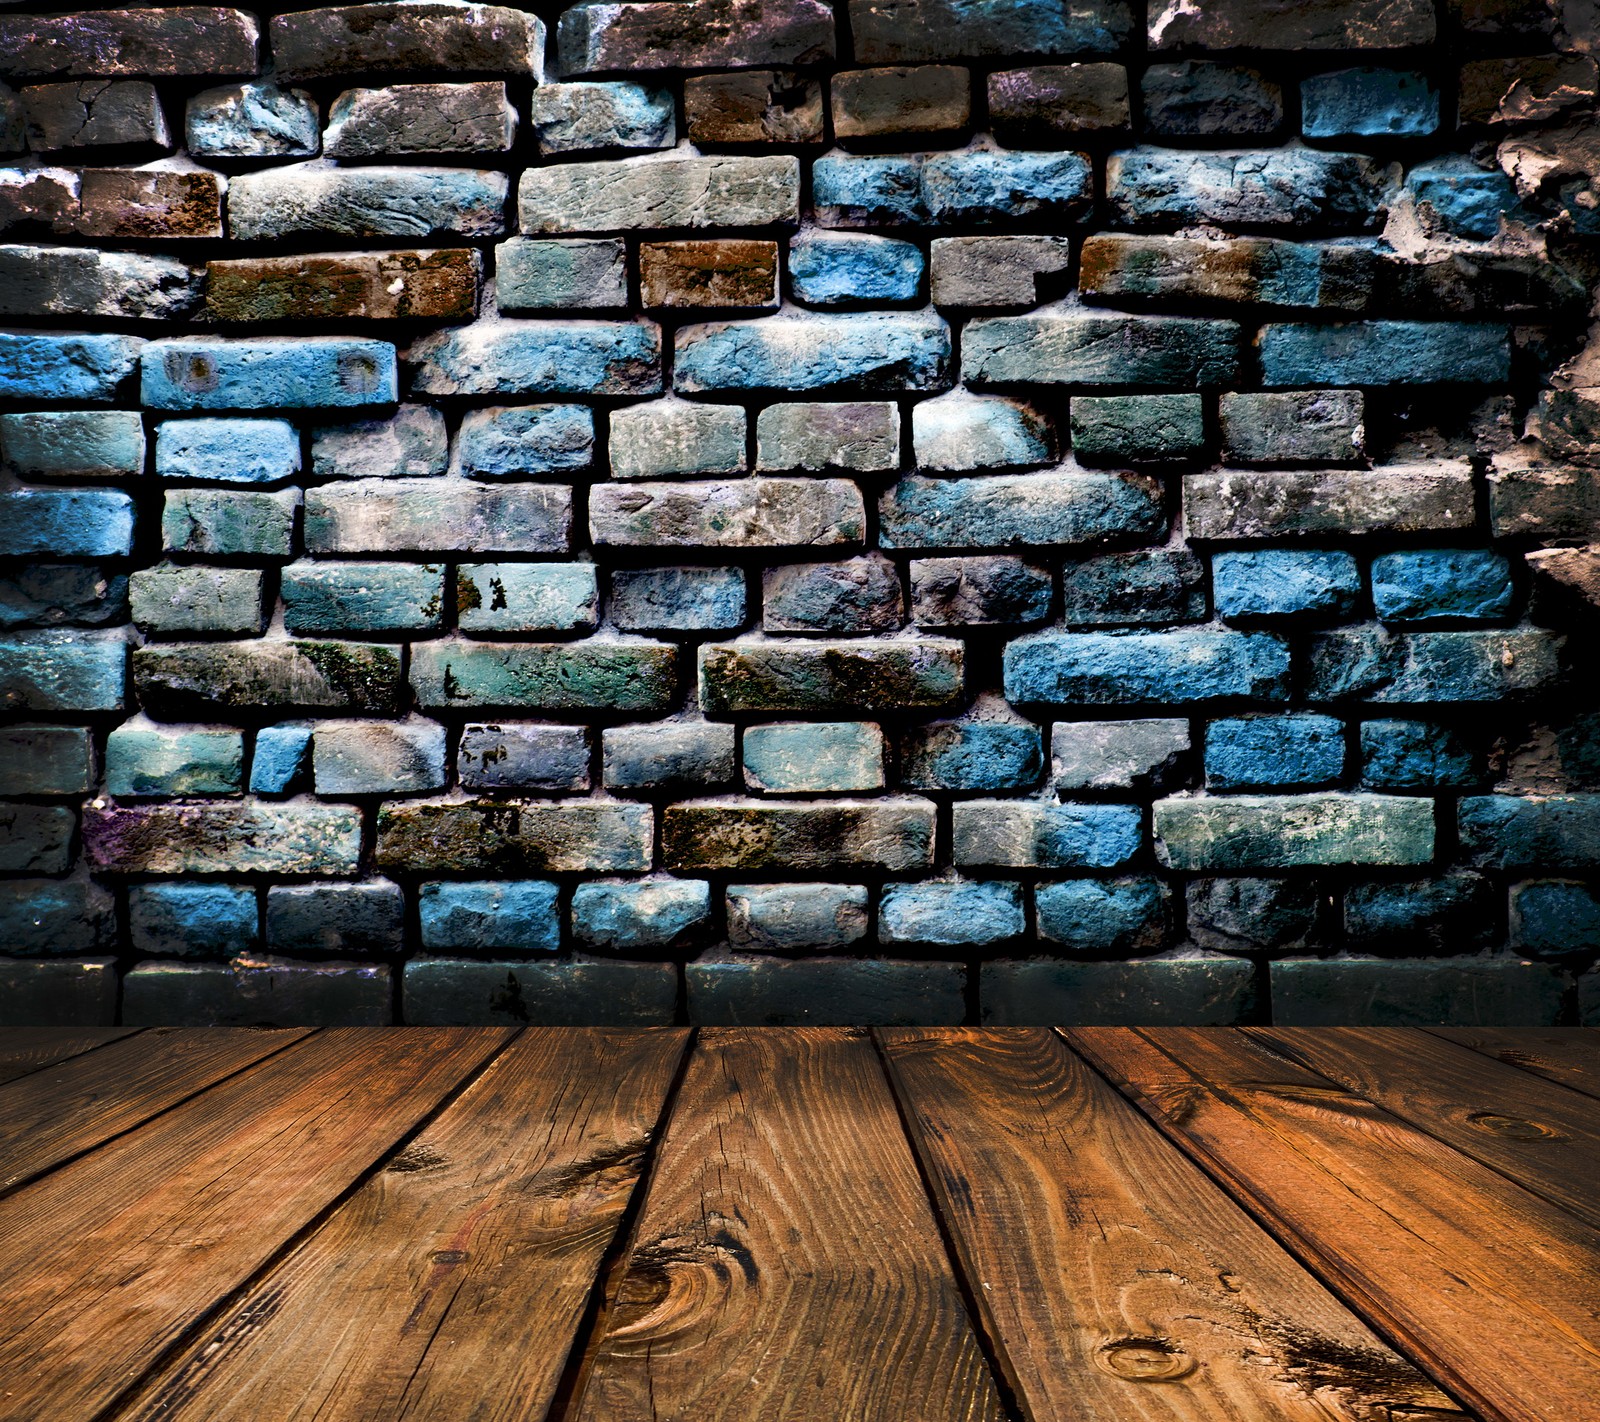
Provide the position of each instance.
(149, 761)
(193, 920)
(307, 372)
(66, 523)
(73, 444)
(871, 352)
(511, 916)
(62, 671)
(527, 597)
(1234, 832)
(368, 599)
(814, 757)
(38, 366)
(540, 358)
(1382, 353)
(1105, 916)
(641, 915)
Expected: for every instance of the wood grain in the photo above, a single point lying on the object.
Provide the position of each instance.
(1541, 1135)
(452, 1283)
(27, 1049)
(111, 1259)
(1117, 1282)
(64, 1110)
(1570, 1055)
(1492, 1289)
(787, 1266)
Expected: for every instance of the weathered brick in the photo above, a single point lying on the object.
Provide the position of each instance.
(524, 757)
(971, 754)
(307, 372)
(377, 757)
(1130, 915)
(1285, 582)
(1525, 88)
(860, 595)
(726, 273)
(1055, 101)
(1397, 498)
(1159, 992)
(1294, 427)
(403, 38)
(52, 918)
(575, 118)
(893, 835)
(1118, 755)
(1275, 187)
(1254, 915)
(670, 191)
(35, 366)
(71, 992)
(671, 755)
(1366, 103)
(1467, 583)
(704, 34)
(1554, 919)
(861, 437)
(886, 103)
(1372, 664)
(379, 286)
(641, 914)
(1424, 992)
(592, 675)
(420, 118)
(987, 186)
(516, 916)
(44, 760)
(94, 113)
(437, 516)
(455, 992)
(524, 439)
(580, 274)
(678, 599)
(1133, 668)
(251, 121)
(410, 444)
(539, 358)
(951, 913)
(1385, 353)
(335, 918)
(1268, 752)
(978, 591)
(1071, 506)
(73, 444)
(509, 837)
(1305, 24)
(872, 352)
(62, 595)
(167, 599)
(1234, 832)
(813, 758)
(310, 199)
(995, 271)
(256, 990)
(144, 202)
(738, 513)
(527, 597)
(68, 523)
(1540, 832)
(753, 106)
(218, 522)
(909, 31)
(1035, 834)
(163, 42)
(281, 760)
(783, 918)
(1123, 266)
(849, 191)
(958, 432)
(671, 436)
(178, 678)
(827, 677)
(62, 671)
(1545, 500)
(846, 268)
(1068, 346)
(1414, 755)
(1448, 914)
(777, 992)
(239, 838)
(230, 451)
(35, 839)
(1112, 429)
(1127, 589)
(1196, 98)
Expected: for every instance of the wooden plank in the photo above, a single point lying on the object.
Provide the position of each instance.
(1570, 1055)
(452, 1283)
(1493, 1290)
(1541, 1135)
(787, 1264)
(67, 1109)
(114, 1258)
(1104, 1261)
(28, 1049)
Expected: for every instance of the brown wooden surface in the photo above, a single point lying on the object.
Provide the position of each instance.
(1495, 1290)
(27, 1049)
(462, 1268)
(112, 1258)
(1569, 1055)
(786, 1264)
(1118, 1282)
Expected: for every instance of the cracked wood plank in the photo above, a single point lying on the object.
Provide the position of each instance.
(1116, 1281)
(30, 1049)
(453, 1282)
(111, 1259)
(787, 1264)
(1570, 1055)
(1492, 1289)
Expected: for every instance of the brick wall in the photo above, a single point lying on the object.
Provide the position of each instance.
(762, 510)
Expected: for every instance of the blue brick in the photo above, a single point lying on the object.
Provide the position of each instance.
(1285, 582)
(282, 757)
(540, 358)
(1468, 199)
(62, 595)
(62, 671)
(1414, 755)
(640, 913)
(1386, 353)
(678, 599)
(323, 598)
(73, 444)
(36, 366)
(1554, 918)
(1247, 752)
(675, 754)
(575, 274)
(1104, 916)
(951, 914)
(958, 432)
(228, 451)
(985, 186)
(787, 917)
(971, 755)
(1441, 582)
(151, 760)
(1530, 832)
(849, 191)
(42, 918)
(517, 915)
(1369, 103)
(193, 920)
(1032, 834)
(1129, 668)
(573, 118)
(35, 839)
(1280, 187)
(513, 756)
(306, 372)
(529, 439)
(1405, 668)
(873, 351)
(66, 523)
(1020, 510)
(1453, 913)
(837, 268)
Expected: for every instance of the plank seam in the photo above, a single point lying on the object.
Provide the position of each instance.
(1442, 1035)
(127, 1036)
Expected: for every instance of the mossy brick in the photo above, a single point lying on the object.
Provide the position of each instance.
(35, 839)
(1268, 752)
(501, 916)
(641, 915)
(179, 678)
(233, 451)
(259, 120)
(73, 444)
(398, 39)
(844, 268)
(814, 757)
(280, 761)
(708, 34)
(872, 352)
(1467, 200)
(539, 358)
(94, 113)
(854, 191)
(69, 281)
(258, 990)
(410, 444)
(735, 513)
(451, 992)
(578, 118)
(861, 437)
(1451, 913)
(53, 918)
(1058, 508)
(167, 599)
(362, 516)
(1266, 832)
(1250, 188)
(670, 755)
(922, 30)
(1196, 98)
(1467, 583)
(671, 191)
(1154, 992)
(527, 597)
(66, 523)
(1420, 992)
(825, 677)
(1036, 834)
(960, 432)
(1368, 102)
(1149, 752)
(527, 439)
(824, 992)
(980, 591)
(970, 755)
(1293, 427)
(513, 756)
(987, 186)
(1371, 664)
(857, 595)
(45, 760)
(377, 757)
(1047, 103)
(148, 761)
(1255, 915)
(1381, 353)
(436, 285)
(306, 372)
(367, 599)
(910, 100)
(178, 42)
(951, 913)
(1105, 916)
(662, 438)
(1108, 429)
(62, 671)
(1069, 346)
(987, 270)
(1119, 589)
(1538, 832)
(421, 118)
(667, 600)
(219, 523)
(892, 835)
(709, 272)
(1555, 919)
(1415, 755)
(510, 837)
(241, 837)
(609, 675)
(356, 919)
(561, 274)
(787, 918)
(1243, 504)
(1178, 667)
(1313, 25)
(753, 106)
(193, 920)
(67, 992)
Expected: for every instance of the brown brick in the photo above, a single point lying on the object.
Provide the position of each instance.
(1527, 89)
(727, 273)
(1054, 99)
(753, 106)
(694, 34)
(152, 40)
(881, 103)
(431, 285)
(129, 202)
(421, 38)
(91, 113)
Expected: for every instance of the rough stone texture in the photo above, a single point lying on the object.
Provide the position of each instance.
(1329, 503)
(893, 835)
(1292, 831)
(753, 106)
(254, 990)
(910, 31)
(94, 113)
(403, 38)
(597, 675)
(671, 191)
(1292, 24)
(420, 118)
(1283, 187)
(512, 837)
(309, 199)
(252, 121)
(1054, 101)
(739, 513)
(706, 34)
(1154, 992)
(826, 677)
(718, 273)
(1066, 346)
(177, 41)
(246, 838)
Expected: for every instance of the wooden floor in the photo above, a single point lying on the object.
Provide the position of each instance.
(771, 1225)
